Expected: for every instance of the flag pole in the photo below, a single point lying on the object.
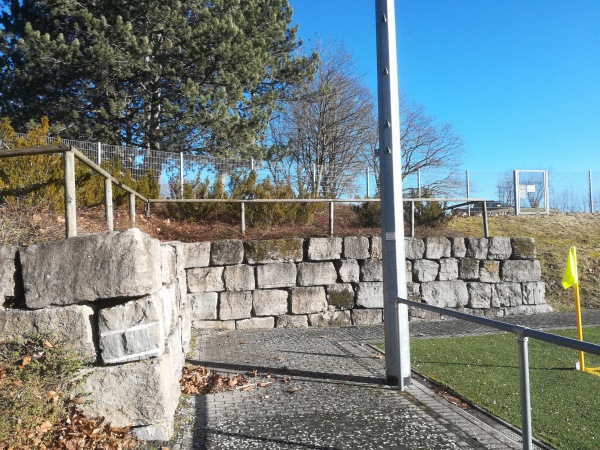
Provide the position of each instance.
(579, 326)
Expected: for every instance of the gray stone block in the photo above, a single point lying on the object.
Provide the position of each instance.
(330, 319)
(203, 305)
(534, 293)
(7, 272)
(348, 270)
(196, 254)
(414, 292)
(490, 271)
(159, 431)
(459, 248)
(477, 248)
(270, 302)
(499, 248)
(521, 270)
(437, 248)
(376, 251)
(469, 269)
(291, 321)
(409, 275)
(276, 250)
(340, 295)
(480, 295)
(370, 295)
(168, 264)
(367, 316)
(371, 270)
(446, 294)
(425, 270)
(356, 247)
(307, 300)
(71, 325)
(226, 325)
(235, 305)
(276, 275)
(205, 279)
(168, 297)
(448, 269)
(415, 248)
(89, 268)
(226, 252)
(528, 310)
(507, 294)
(239, 278)
(256, 323)
(323, 249)
(523, 248)
(315, 274)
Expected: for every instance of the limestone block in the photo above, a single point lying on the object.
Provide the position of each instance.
(276, 275)
(414, 291)
(437, 248)
(340, 295)
(270, 302)
(131, 331)
(367, 316)
(71, 325)
(507, 294)
(88, 268)
(490, 271)
(459, 248)
(159, 431)
(415, 248)
(523, 248)
(255, 323)
(376, 251)
(372, 270)
(469, 269)
(356, 247)
(348, 270)
(235, 305)
(448, 269)
(370, 295)
(425, 270)
(322, 249)
(480, 295)
(196, 254)
(477, 248)
(205, 279)
(521, 270)
(239, 278)
(168, 297)
(141, 393)
(409, 276)
(315, 274)
(330, 319)
(446, 294)
(7, 272)
(275, 250)
(168, 264)
(528, 310)
(291, 321)
(534, 293)
(226, 325)
(203, 305)
(499, 248)
(307, 300)
(227, 251)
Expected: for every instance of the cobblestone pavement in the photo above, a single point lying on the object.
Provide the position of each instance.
(335, 397)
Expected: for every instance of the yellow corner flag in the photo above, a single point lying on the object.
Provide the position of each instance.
(570, 275)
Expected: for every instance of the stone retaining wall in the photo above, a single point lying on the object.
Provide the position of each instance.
(338, 281)
(118, 300)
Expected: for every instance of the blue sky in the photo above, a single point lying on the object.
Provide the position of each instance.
(518, 79)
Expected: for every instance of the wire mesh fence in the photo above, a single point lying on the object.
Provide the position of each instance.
(568, 191)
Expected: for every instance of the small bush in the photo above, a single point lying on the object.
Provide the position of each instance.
(369, 214)
(429, 213)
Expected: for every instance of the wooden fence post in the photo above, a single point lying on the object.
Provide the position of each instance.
(108, 204)
(70, 198)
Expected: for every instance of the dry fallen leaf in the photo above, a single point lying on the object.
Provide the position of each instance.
(26, 360)
(47, 344)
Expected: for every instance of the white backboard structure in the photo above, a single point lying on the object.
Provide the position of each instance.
(531, 192)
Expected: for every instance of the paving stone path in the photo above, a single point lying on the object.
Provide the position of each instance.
(335, 398)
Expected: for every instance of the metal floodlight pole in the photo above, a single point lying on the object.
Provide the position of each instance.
(397, 346)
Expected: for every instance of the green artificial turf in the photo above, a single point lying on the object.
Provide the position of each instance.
(484, 369)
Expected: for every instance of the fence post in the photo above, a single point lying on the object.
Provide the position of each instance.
(412, 219)
(419, 183)
(591, 193)
(132, 209)
(243, 217)
(147, 210)
(181, 173)
(99, 153)
(252, 165)
(524, 387)
(486, 228)
(70, 199)
(330, 218)
(108, 204)
(468, 194)
(368, 182)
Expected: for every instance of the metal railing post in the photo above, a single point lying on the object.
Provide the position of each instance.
(368, 183)
(181, 174)
(591, 193)
(70, 196)
(524, 387)
(468, 194)
(486, 228)
(132, 209)
(412, 219)
(330, 218)
(108, 204)
(147, 210)
(243, 217)
(99, 153)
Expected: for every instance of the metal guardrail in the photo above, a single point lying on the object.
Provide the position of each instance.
(523, 333)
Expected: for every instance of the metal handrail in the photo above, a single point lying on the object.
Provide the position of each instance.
(523, 333)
